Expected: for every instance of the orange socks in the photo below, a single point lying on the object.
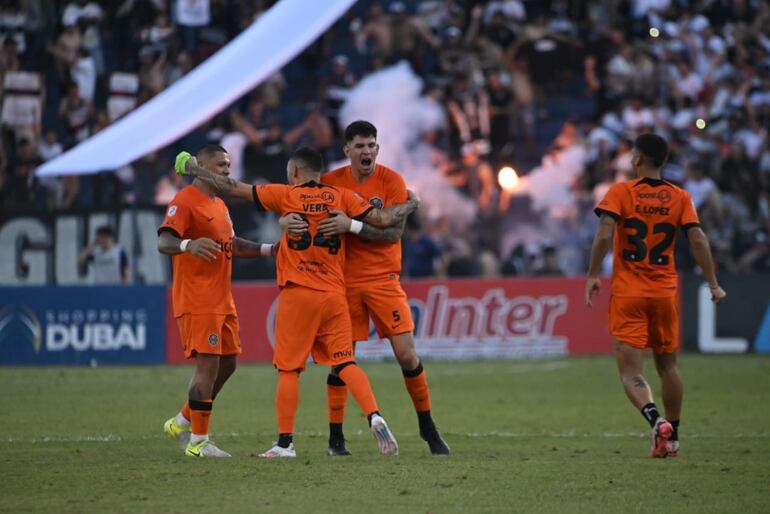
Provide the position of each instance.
(200, 416)
(359, 386)
(186, 411)
(286, 400)
(337, 398)
(417, 385)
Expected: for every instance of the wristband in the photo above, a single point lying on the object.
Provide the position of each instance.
(183, 245)
(356, 226)
(265, 250)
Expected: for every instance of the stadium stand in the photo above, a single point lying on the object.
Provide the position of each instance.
(554, 88)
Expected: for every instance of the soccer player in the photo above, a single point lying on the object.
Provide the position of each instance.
(198, 233)
(372, 271)
(312, 314)
(645, 214)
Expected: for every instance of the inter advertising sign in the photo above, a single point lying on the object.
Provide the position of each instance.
(82, 325)
(457, 319)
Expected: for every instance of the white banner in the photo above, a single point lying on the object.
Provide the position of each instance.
(275, 38)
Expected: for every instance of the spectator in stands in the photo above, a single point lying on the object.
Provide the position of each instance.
(84, 74)
(88, 17)
(335, 87)
(19, 183)
(421, 254)
(152, 77)
(549, 262)
(65, 51)
(77, 114)
(190, 15)
(157, 37)
(107, 259)
(179, 68)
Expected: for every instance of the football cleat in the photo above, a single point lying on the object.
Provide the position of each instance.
(672, 448)
(205, 448)
(661, 431)
(386, 441)
(176, 431)
(337, 449)
(279, 451)
(436, 444)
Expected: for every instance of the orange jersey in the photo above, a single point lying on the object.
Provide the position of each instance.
(648, 213)
(201, 287)
(311, 260)
(368, 261)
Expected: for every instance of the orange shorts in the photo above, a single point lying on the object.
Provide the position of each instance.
(385, 303)
(314, 322)
(216, 334)
(646, 322)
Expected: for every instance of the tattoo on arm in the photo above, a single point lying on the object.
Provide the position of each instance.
(390, 234)
(394, 215)
(219, 182)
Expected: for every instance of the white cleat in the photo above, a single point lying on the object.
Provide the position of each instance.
(205, 448)
(672, 448)
(278, 451)
(385, 438)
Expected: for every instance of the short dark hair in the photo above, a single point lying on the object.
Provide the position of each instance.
(310, 157)
(653, 147)
(105, 230)
(360, 128)
(210, 149)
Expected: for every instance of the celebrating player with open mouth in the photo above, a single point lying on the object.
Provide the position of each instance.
(312, 314)
(372, 272)
(645, 214)
(198, 234)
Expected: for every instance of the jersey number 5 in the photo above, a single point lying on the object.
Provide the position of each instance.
(639, 253)
(304, 241)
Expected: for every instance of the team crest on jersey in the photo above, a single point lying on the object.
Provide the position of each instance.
(327, 197)
(664, 195)
(172, 210)
(213, 339)
(376, 202)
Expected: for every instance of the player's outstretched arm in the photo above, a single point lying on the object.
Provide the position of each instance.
(187, 166)
(395, 215)
(203, 248)
(701, 252)
(602, 244)
(249, 249)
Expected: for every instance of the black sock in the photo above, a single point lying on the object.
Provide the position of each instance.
(426, 421)
(284, 440)
(335, 434)
(675, 434)
(369, 417)
(650, 413)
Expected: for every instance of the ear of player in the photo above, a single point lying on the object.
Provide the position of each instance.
(180, 162)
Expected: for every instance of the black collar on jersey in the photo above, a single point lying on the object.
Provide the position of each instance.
(654, 182)
(311, 183)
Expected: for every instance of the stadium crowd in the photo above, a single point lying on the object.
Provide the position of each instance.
(555, 88)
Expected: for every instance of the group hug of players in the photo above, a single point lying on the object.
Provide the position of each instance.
(338, 265)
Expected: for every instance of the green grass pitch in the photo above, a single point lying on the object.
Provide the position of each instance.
(527, 436)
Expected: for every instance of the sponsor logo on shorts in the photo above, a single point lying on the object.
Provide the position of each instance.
(376, 202)
(340, 355)
(213, 339)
